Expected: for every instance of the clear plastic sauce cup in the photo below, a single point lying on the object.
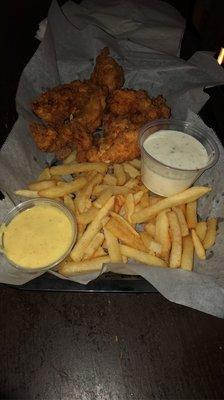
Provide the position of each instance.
(166, 180)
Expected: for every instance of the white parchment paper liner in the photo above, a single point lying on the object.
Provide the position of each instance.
(146, 42)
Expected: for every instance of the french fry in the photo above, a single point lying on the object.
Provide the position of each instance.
(84, 267)
(84, 194)
(187, 258)
(162, 234)
(183, 208)
(62, 190)
(102, 199)
(191, 214)
(40, 185)
(80, 230)
(27, 193)
(118, 203)
(120, 174)
(123, 222)
(145, 200)
(110, 180)
(141, 256)
(138, 196)
(176, 240)
(125, 235)
(187, 196)
(88, 216)
(154, 200)
(136, 163)
(199, 249)
(130, 170)
(99, 252)
(44, 175)
(73, 168)
(91, 230)
(115, 189)
(152, 246)
(71, 158)
(150, 228)
(129, 206)
(131, 184)
(69, 203)
(93, 245)
(182, 221)
(113, 246)
(201, 229)
(210, 236)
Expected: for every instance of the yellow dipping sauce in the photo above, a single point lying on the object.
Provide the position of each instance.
(38, 237)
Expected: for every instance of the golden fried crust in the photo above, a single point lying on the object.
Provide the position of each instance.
(107, 72)
(119, 144)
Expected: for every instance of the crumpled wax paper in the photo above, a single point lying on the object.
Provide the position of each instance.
(145, 39)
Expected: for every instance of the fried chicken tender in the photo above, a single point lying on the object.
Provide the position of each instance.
(137, 106)
(119, 144)
(107, 72)
(72, 112)
(127, 111)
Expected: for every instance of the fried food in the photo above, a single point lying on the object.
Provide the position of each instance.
(107, 72)
(72, 113)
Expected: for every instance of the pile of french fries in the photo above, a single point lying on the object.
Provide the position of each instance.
(118, 219)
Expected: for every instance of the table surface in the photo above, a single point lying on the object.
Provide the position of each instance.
(95, 346)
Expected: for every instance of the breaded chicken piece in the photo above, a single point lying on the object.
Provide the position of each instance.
(61, 140)
(107, 72)
(73, 100)
(119, 144)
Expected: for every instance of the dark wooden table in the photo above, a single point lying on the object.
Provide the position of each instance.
(95, 346)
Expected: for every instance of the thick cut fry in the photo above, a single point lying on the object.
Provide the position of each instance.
(210, 236)
(93, 246)
(118, 203)
(145, 200)
(44, 175)
(199, 249)
(62, 190)
(182, 221)
(191, 214)
(142, 257)
(120, 174)
(150, 228)
(83, 267)
(183, 208)
(162, 234)
(71, 158)
(201, 229)
(110, 180)
(138, 196)
(125, 235)
(80, 230)
(129, 206)
(154, 200)
(115, 189)
(152, 246)
(73, 168)
(176, 240)
(187, 258)
(187, 196)
(27, 193)
(102, 199)
(131, 184)
(123, 222)
(113, 246)
(84, 194)
(136, 163)
(90, 232)
(69, 203)
(130, 170)
(40, 185)
(99, 252)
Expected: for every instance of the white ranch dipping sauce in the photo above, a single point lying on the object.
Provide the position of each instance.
(176, 150)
